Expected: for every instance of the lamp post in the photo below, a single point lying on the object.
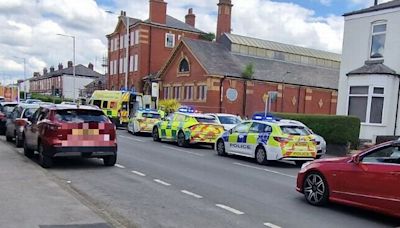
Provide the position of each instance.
(24, 75)
(283, 88)
(126, 47)
(73, 63)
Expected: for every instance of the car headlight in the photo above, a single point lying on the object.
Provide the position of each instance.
(305, 165)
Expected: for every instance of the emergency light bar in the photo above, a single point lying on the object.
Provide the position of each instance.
(186, 109)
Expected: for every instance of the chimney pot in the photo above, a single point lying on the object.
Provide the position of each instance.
(70, 64)
(44, 71)
(376, 2)
(158, 11)
(90, 66)
(224, 17)
(60, 66)
(190, 18)
(52, 69)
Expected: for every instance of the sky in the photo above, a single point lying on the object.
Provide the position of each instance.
(28, 28)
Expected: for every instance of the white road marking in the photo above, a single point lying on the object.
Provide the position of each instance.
(230, 209)
(191, 194)
(270, 225)
(119, 166)
(131, 138)
(162, 182)
(184, 151)
(138, 173)
(266, 170)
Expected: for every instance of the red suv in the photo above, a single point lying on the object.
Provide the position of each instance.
(70, 131)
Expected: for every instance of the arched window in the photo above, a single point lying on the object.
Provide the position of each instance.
(184, 66)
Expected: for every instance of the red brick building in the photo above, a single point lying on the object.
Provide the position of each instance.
(208, 75)
(150, 43)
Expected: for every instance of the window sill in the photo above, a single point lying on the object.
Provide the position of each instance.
(183, 74)
(373, 125)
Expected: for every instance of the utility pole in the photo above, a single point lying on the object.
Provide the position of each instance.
(73, 63)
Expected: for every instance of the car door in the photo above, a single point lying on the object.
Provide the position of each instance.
(237, 141)
(165, 127)
(10, 124)
(258, 133)
(176, 124)
(29, 128)
(374, 181)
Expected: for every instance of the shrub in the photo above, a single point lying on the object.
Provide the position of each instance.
(47, 98)
(335, 129)
(169, 105)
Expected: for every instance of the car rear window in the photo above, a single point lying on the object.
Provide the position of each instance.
(229, 119)
(295, 130)
(29, 112)
(206, 119)
(81, 115)
(151, 115)
(8, 108)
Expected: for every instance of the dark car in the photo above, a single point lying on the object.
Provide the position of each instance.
(17, 121)
(5, 110)
(369, 179)
(70, 131)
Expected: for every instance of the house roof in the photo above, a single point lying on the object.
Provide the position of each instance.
(80, 70)
(172, 22)
(271, 45)
(101, 80)
(218, 60)
(387, 5)
(373, 67)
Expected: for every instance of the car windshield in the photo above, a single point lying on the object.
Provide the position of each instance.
(151, 115)
(295, 130)
(80, 115)
(7, 109)
(29, 112)
(206, 119)
(229, 119)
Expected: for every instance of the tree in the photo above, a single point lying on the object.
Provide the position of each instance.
(248, 71)
(169, 105)
(208, 36)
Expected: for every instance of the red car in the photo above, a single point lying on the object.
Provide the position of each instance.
(70, 131)
(370, 180)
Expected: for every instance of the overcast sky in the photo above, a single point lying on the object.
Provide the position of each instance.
(28, 28)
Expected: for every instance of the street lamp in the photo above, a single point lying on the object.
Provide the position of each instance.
(126, 47)
(24, 74)
(283, 88)
(73, 64)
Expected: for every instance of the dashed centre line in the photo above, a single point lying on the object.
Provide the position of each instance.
(162, 182)
(266, 170)
(184, 151)
(138, 173)
(119, 166)
(270, 225)
(230, 209)
(191, 194)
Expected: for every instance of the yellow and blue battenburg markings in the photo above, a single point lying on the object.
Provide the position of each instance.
(256, 138)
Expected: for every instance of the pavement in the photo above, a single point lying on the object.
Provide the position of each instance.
(162, 185)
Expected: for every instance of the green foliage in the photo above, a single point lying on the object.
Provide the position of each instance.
(47, 98)
(335, 129)
(169, 105)
(248, 71)
(208, 36)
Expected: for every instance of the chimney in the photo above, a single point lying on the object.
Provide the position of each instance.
(44, 71)
(158, 11)
(90, 66)
(36, 74)
(190, 18)
(376, 2)
(224, 17)
(60, 66)
(70, 64)
(52, 69)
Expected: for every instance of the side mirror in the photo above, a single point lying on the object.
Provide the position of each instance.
(355, 159)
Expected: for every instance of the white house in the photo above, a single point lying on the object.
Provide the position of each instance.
(369, 74)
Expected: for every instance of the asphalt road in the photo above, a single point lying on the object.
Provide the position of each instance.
(162, 185)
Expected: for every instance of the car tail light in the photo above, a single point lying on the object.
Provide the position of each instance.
(281, 139)
(20, 122)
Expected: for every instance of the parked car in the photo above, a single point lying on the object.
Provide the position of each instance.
(15, 125)
(227, 120)
(32, 101)
(143, 121)
(5, 109)
(70, 131)
(369, 179)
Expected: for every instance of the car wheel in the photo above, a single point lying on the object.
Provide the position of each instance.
(261, 156)
(156, 136)
(182, 142)
(221, 148)
(110, 160)
(44, 160)
(300, 163)
(28, 152)
(18, 142)
(315, 189)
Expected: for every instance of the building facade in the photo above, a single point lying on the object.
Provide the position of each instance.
(60, 82)
(209, 75)
(369, 75)
(150, 43)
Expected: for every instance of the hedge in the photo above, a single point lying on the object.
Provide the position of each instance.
(46, 98)
(335, 129)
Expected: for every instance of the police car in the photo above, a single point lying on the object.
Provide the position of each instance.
(267, 140)
(143, 121)
(188, 127)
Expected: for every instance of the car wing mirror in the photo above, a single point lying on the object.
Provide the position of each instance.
(355, 159)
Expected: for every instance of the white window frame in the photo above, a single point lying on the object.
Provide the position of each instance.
(137, 36)
(369, 96)
(111, 67)
(131, 63)
(132, 38)
(115, 66)
(166, 40)
(120, 64)
(376, 23)
(136, 64)
(111, 45)
(121, 41)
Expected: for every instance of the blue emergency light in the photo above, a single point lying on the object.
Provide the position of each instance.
(265, 117)
(186, 109)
